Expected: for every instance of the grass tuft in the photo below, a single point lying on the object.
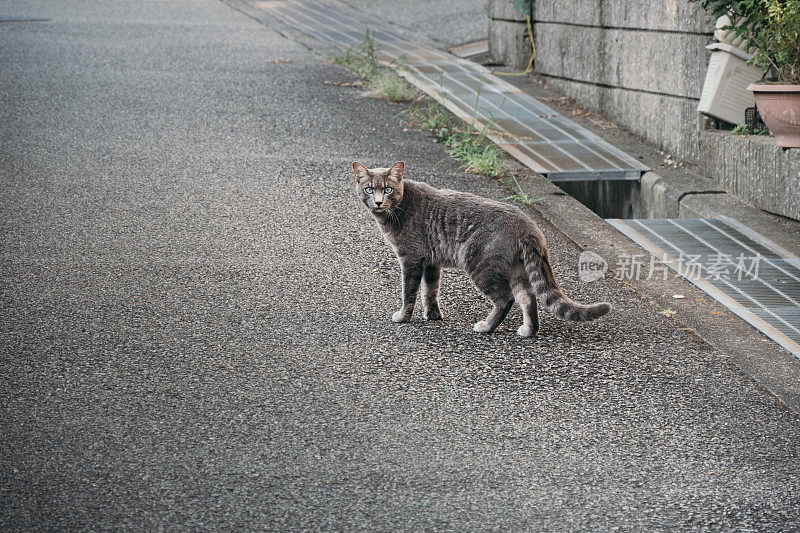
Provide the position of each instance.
(463, 140)
(362, 61)
(477, 154)
(387, 84)
(520, 196)
(744, 129)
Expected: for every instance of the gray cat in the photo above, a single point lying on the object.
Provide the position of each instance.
(502, 250)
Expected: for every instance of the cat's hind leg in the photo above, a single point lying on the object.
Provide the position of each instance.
(497, 288)
(526, 299)
(430, 292)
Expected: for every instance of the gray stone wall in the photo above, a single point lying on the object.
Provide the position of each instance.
(641, 63)
(755, 169)
(509, 40)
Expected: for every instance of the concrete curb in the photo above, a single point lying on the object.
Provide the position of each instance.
(754, 168)
(662, 196)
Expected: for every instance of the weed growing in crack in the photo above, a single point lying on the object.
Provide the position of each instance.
(471, 146)
(520, 196)
(476, 153)
(361, 60)
(464, 141)
(744, 129)
(389, 85)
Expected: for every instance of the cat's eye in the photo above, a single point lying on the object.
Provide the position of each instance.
(388, 190)
(368, 190)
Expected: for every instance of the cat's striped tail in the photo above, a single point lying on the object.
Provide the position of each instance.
(540, 273)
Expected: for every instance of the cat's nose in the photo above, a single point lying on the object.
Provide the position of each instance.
(377, 203)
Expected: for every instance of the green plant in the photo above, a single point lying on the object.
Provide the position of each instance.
(463, 140)
(471, 145)
(476, 154)
(392, 87)
(520, 196)
(347, 57)
(771, 29)
(432, 117)
(744, 129)
(437, 119)
(361, 60)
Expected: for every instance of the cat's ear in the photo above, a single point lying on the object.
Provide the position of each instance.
(360, 170)
(396, 171)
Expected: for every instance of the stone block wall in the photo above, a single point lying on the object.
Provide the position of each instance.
(641, 63)
(509, 41)
(754, 168)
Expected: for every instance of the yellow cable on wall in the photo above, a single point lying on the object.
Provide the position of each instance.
(530, 61)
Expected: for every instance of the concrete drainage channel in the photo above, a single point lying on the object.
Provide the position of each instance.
(599, 175)
(529, 130)
(609, 199)
(592, 171)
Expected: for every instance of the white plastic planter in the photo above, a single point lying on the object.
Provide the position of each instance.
(725, 95)
(728, 36)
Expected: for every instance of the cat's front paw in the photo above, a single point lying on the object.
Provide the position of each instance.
(482, 327)
(526, 331)
(433, 313)
(401, 316)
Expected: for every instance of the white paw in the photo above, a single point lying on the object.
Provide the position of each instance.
(400, 316)
(524, 331)
(481, 327)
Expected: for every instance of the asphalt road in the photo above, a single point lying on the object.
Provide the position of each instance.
(195, 318)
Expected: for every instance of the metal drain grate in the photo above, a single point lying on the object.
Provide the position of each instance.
(538, 136)
(751, 276)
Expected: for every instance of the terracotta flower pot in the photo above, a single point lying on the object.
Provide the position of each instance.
(779, 106)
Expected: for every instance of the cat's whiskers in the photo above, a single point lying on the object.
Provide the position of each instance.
(393, 213)
(393, 218)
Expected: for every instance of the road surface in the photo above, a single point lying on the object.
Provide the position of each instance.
(195, 318)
